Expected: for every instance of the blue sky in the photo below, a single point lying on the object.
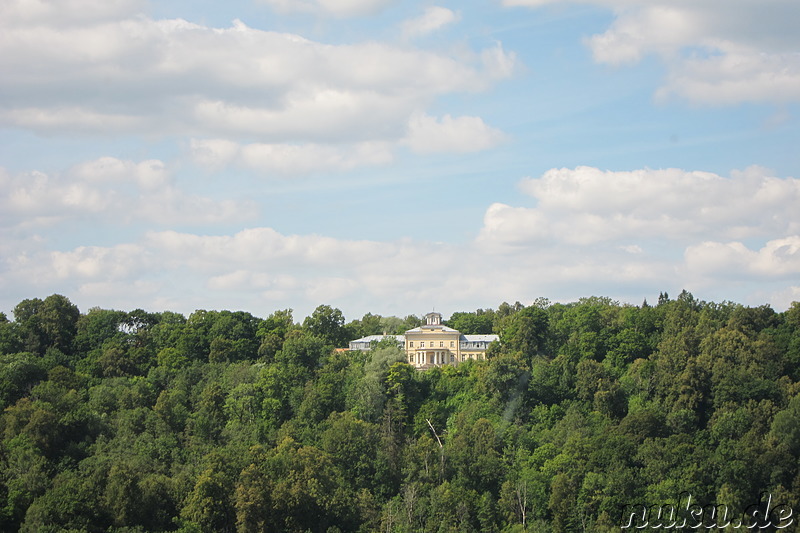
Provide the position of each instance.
(393, 157)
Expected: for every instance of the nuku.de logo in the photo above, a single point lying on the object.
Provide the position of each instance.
(765, 514)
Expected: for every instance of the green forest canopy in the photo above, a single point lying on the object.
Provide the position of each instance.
(129, 421)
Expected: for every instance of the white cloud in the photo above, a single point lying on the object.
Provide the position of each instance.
(649, 228)
(504, 225)
(147, 175)
(261, 269)
(112, 190)
(248, 280)
(290, 159)
(328, 289)
(136, 74)
(54, 11)
(304, 159)
(780, 299)
(633, 233)
(75, 119)
(588, 205)
(434, 18)
(776, 259)
(717, 51)
(255, 247)
(93, 262)
(426, 134)
(338, 8)
(214, 154)
(124, 296)
(736, 76)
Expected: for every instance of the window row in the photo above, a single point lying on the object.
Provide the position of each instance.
(432, 344)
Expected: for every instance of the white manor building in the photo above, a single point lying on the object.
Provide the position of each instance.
(433, 344)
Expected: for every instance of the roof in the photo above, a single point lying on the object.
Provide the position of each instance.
(444, 329)
(480, 338)
(376, 338)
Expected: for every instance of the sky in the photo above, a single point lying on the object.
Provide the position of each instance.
(397, 157)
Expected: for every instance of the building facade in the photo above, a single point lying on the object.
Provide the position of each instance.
(434, 344)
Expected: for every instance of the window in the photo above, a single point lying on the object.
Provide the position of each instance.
(410, 344)
(441, 344)
(452, 344)
(422, 344)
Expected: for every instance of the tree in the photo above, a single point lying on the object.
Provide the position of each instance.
(210, 416)
(474, 454)
(302, 348)
(370, 392)
(525, 331)
(303, 488)
(48, 323)
(18, 374)
(353, 445)
(478, 323)
(10, 341)
(208, 505)
(98, 326)
(327, 323)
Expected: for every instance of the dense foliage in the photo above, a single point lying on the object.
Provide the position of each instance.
(222, 421)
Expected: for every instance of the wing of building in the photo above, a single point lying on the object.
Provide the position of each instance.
(434, 344)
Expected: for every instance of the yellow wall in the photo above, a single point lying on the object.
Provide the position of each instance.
(435, 341)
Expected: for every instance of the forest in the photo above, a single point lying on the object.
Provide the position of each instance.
(132, 421)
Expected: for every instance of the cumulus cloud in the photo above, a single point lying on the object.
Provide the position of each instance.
(110, 189)
(134, 74)
(428, 134)
(735, 76)
(92, 262)
(262, 269)
(717, 51)
(257, 248)
(783, 298)
(650, 228)
(74, 11)
(289, 159)
(338, 8)
(778, 258)
(259, 263)
(424, 135)
(434, 18)
(587, 205)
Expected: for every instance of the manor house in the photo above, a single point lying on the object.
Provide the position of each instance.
(433, 344)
